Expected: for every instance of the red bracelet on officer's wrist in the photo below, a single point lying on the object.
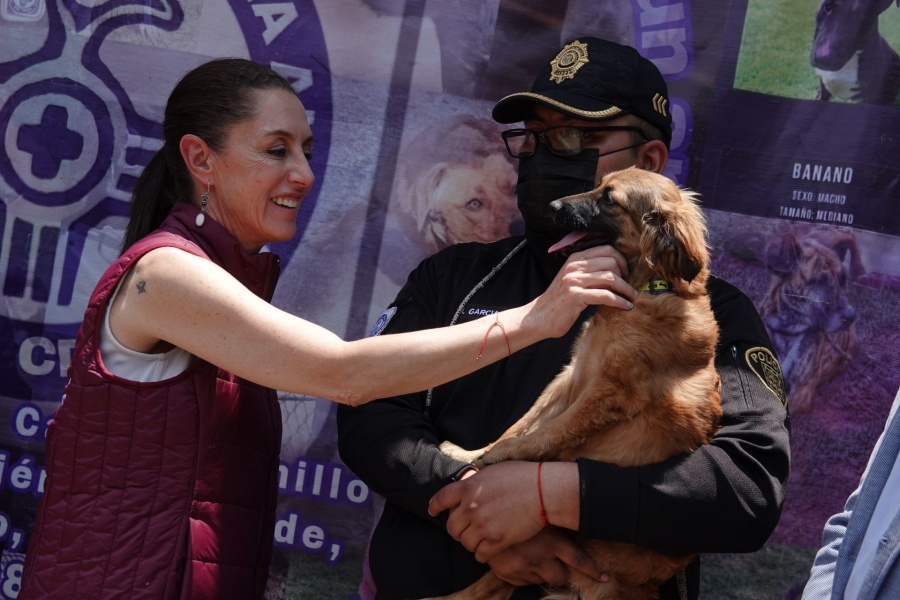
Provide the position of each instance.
(541, 498)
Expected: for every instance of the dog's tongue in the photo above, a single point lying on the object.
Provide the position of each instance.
(567, 241)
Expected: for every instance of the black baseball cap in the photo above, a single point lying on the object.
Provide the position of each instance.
(595, 80)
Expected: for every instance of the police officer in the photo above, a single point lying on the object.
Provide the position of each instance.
(594, 107)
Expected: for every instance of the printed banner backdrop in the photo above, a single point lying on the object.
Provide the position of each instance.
(802, 195)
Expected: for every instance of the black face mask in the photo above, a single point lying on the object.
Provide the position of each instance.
(544, 177)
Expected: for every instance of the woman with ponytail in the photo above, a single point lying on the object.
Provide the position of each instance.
(162, 460)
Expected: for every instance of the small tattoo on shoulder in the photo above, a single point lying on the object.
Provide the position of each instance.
(141, 286)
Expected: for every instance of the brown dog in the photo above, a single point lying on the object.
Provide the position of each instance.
(641, 386)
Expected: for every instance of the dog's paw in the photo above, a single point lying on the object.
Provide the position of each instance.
(450, 449)
(487, 459)
(454, 451)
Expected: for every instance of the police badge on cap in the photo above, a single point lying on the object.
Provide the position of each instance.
(571, 58)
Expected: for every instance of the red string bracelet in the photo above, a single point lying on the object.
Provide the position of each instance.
(541, 498)
(496, 323)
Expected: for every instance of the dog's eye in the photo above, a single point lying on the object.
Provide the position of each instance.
(607, 199)
(474, 204)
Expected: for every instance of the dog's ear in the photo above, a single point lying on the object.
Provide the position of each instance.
(426, 218)
(783, 255)
(692, 254)
(844, 243)
(677, 239)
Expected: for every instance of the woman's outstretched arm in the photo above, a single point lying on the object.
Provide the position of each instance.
(191, 303)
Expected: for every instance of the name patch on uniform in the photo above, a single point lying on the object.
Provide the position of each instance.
(474, 311)
(382, 321)
(762, 362)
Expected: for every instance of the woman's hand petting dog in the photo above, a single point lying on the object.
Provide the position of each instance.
(596, 276)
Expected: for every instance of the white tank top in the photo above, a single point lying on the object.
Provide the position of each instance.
(137, 366)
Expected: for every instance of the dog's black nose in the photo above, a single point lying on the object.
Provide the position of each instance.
(556, 205)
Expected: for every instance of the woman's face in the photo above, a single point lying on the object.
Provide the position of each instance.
(262, 174)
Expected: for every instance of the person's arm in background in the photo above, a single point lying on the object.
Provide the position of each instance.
(821, 578)
(723, 497)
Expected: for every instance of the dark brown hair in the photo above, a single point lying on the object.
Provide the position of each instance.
(206, 102)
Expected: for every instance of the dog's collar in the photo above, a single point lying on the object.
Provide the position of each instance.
(656, 286)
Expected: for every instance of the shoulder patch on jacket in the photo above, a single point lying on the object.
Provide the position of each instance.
(764, 364)
(382, 321)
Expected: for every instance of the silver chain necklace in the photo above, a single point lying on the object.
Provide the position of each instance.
(472, 292)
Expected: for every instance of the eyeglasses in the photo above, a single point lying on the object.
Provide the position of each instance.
(562, 141)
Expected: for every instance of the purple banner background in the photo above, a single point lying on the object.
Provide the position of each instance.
(81, 96)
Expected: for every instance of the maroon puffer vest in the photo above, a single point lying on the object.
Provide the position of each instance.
(159, 490)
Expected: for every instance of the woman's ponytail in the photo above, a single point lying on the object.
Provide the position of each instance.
(152, 198)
